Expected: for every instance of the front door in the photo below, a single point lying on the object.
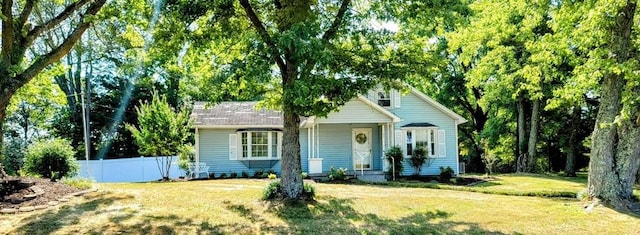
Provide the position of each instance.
(361, 139)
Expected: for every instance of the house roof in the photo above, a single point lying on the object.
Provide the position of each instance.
(419, 124)
(235, 114)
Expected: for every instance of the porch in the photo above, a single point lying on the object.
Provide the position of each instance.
(354, 138)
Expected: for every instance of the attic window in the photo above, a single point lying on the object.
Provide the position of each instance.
(384, 99)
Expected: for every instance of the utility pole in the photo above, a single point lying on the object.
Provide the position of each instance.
(86, 108)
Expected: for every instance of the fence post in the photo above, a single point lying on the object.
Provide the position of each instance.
(101, 170)
(143, 166)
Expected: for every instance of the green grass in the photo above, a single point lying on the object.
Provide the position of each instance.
(232, 206)
(514, 185)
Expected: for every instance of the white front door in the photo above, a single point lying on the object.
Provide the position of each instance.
(361, 141)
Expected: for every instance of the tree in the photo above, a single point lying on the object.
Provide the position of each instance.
(163, 132)
(510, 50)
(312, 57)
(605, 32)
(22, 33)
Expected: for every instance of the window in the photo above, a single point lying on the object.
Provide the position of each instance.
(384, 99)
(260, 144)
(422, 138)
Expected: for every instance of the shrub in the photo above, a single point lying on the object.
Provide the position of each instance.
(304, 175)
(212, 175)
(258, 174)
(266, 174)
(51, 159)
(395, 157)
(223, 176)
(446, 174)
(244, 174)
(337, 174)
(418, 158)
(309, 191)
(233, 175)
(81, 183)
(274, 191)
(186, 156)
(14, 151)
(273, 176)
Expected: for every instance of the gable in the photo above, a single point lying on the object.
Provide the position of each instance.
(359, 110)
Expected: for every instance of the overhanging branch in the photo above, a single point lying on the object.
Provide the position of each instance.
(333, 30)
(262, 31)
(58, 52)
(68, 11)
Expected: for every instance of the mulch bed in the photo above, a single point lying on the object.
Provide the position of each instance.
(49, 191)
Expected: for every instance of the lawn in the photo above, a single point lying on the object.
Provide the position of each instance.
(233, 206)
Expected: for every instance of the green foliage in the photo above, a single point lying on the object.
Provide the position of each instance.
(244, 174)
(81, 183)
(233, 175)
(337, 174)
(272, 176)
(395, 156)
(223, 176)
(418, 158)
(51, 159)
(305, 175)
(162, 131)
(13, 156)
(258, 174)
(274, 191)
(446, 174)
(186, 156)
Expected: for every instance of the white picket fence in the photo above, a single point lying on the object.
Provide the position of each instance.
(140, 169)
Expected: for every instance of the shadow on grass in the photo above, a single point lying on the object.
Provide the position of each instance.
(53, 220)
(119, 220)
(332, 215)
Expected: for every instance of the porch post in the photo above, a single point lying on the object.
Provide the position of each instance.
(197, 147)
(384, 137)
(309, 147)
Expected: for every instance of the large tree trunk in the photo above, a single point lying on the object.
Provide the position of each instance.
(521, 158)
(572, 150)
(533, 136)
(615, 150)
(292, 184)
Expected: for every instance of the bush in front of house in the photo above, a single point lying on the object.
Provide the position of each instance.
(395, 157)
(418, 159)
(258, 174)
(446, 174)
(52, 159)
(274, 191)
(272, 176)
(337, 174)
(244, 175)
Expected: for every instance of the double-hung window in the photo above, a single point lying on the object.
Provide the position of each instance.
(258, 144)
(422, 138)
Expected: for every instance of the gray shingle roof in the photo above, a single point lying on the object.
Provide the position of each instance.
(234, 114)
